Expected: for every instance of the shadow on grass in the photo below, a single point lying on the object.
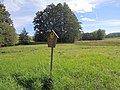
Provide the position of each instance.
(47, 83)
(33, 83)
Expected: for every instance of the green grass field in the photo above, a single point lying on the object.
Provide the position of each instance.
(84, 65)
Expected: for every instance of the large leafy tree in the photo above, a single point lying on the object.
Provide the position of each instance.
(58, 18)
(7, 31)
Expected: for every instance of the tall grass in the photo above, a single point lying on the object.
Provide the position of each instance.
(106, 42)
(75, 67)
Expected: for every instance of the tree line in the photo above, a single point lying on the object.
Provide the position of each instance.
(58, 17)
(96, 35)
(113, 35)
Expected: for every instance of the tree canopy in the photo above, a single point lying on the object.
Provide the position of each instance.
(96, 35)
(7, 31)
(24, 39)
(59, 18)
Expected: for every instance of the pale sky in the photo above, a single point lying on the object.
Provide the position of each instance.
(93, 14)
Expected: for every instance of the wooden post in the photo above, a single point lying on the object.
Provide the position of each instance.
(52, 39)
(51, 63)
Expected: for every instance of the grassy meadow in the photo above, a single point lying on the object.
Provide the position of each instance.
(85, 65)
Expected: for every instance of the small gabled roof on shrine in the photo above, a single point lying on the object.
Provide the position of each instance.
(55, 33)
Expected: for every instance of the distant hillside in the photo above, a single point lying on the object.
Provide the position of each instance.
(113, 35)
